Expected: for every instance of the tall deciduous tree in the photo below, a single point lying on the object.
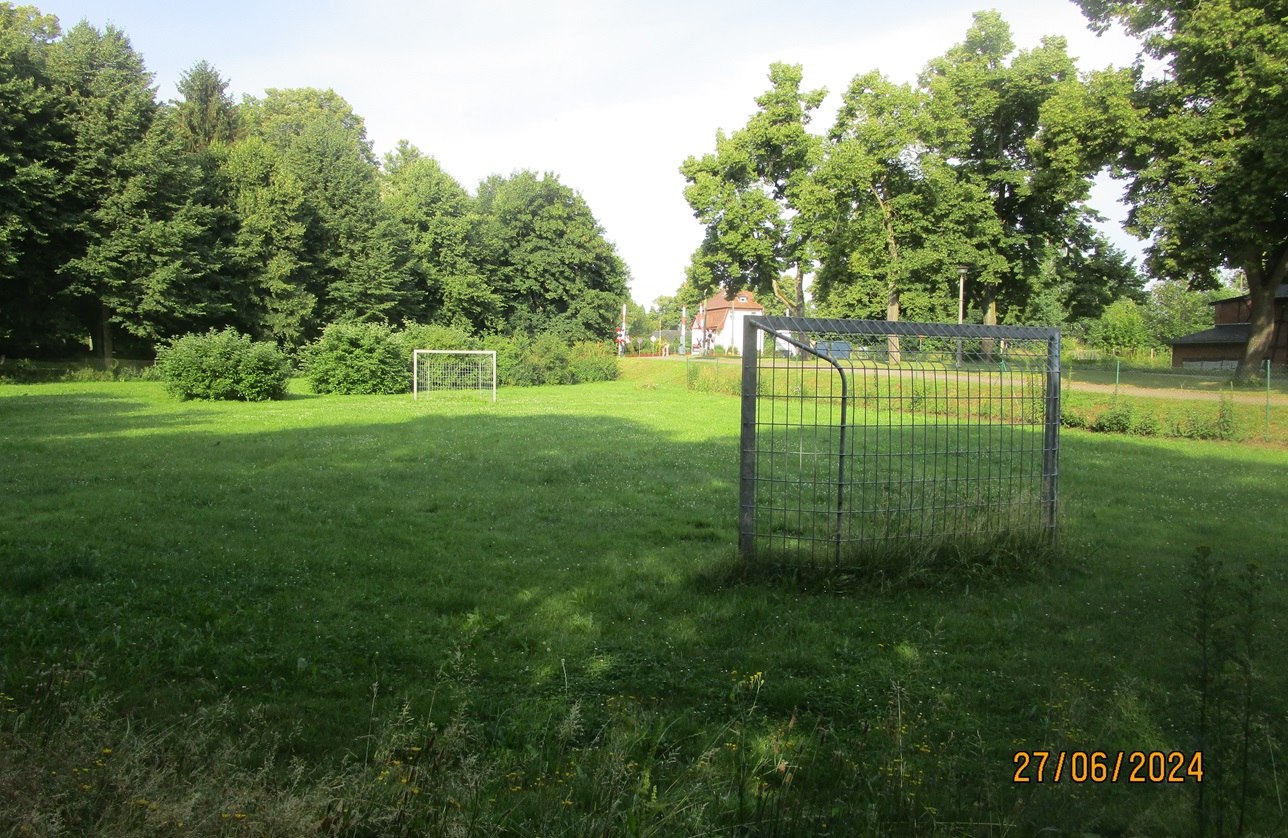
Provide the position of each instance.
(151, 260)
(269, 250)
(749, 193)
(898, 217)
(1205, 145)
(356, 255)
(547, 258)
(1000, 95)
(438, 214)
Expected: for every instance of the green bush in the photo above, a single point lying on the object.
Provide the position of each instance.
(525, 361)
(593, 361)
(420, 336)
(223, 365)
(1116, 420)
(358, 359)
(373, 358)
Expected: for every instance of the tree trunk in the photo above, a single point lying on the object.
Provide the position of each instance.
(105, 334)
(892, 281)
(1262, 286)
(892, 314)
(990, 318)
(793, 299)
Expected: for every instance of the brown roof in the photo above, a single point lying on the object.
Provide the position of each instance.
(720, 304)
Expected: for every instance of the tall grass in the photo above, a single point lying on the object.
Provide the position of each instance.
(373, 616)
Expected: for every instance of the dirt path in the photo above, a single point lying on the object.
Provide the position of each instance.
(1243, 397)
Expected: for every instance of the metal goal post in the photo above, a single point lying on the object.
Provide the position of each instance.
(864, 437)
(453, 370)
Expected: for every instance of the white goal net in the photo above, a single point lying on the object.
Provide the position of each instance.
(469, 371)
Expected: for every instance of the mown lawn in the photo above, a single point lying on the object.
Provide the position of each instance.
(369, 615)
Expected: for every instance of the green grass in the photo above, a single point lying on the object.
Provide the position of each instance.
(530, 611)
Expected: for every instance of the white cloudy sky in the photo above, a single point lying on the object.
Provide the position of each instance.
(611, 96)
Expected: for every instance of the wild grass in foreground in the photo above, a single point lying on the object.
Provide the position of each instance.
(373, 616)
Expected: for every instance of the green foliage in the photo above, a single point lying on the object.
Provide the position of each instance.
(207, 114)
(1203, 145)
(435, 336)
(1121, 328)
(593, 361)
(749, 194)
(546, 257)
(223, 365)
(357, 359)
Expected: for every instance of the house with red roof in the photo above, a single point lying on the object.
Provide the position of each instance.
(719, 321)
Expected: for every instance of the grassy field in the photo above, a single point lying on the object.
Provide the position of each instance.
(374, 616)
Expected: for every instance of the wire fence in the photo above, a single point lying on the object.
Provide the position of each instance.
(875, 437)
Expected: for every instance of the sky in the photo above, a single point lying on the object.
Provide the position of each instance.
(609, 95)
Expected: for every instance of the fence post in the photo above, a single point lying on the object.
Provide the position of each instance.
(747, 465)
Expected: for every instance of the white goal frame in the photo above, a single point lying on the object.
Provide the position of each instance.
(480, 379)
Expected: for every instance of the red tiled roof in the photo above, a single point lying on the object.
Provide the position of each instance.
(719, 306)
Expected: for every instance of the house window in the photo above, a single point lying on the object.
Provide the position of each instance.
(743, 298)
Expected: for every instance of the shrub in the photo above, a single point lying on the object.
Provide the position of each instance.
(357, 359)
(419, 336)
(591, 361)
(524, 361)
(223, 365)
(1116, 420)
(1072, 418)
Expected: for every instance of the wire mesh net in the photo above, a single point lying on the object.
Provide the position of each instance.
(874, 437)
(443, 371)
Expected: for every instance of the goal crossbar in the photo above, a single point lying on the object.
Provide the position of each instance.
(476, 370)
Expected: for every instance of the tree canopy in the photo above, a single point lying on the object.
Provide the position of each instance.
(1202, 143)
(912, 185)
(128, 220)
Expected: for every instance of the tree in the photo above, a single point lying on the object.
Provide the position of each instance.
(1174, 310)
(898, 217)
(269, 250)
(151, 260)
(749, 194)
(546, 258)
(206, 113)
(1204, 144)
(354, 255)
(1039, 207)
(106, 105)
(1120, 328)
(33, 153)
(437, 215)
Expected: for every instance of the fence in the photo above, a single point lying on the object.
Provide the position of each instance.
(874, 437)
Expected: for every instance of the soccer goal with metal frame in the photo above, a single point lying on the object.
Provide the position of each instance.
(457, 370)
(864, 438)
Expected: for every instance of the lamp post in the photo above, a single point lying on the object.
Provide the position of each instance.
(961, 306)
(961, 294)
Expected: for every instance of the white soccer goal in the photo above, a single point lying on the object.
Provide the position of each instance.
(455, 370)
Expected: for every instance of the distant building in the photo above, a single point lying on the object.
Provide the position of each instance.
(1222, 346)
(719, 321)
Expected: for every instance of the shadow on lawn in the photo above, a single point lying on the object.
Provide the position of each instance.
(42, 417)
(332, 573)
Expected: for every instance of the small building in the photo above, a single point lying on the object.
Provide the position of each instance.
(1222, 346)
(719, 321)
